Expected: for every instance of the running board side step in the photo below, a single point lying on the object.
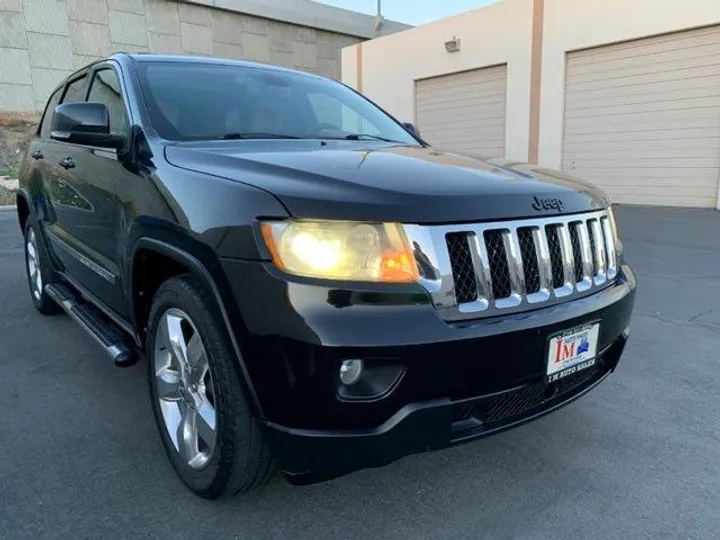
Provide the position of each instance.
(94, 323)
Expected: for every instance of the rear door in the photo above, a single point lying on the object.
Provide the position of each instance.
(39, 149)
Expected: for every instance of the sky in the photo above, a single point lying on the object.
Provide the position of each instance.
(411, 11)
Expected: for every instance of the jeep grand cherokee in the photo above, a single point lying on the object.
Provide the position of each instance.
(313, 286)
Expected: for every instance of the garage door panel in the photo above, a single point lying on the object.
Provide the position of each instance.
(649, 106)
(644, 153)
(461, 118)
(680, 74)
(491, 110)
(452, 137)
(676, 191)
(593, 137)
(646, 46)
(703, 181)
(429, 87)
(492, 77)
(464, 112)
(700, 176)
(629, 123)
(628, 94)
(707, 144)
(659, 57)
(656, 162)
(662, 200)
(612, 74)
(471, 130)
(461, 98)
(608, 98)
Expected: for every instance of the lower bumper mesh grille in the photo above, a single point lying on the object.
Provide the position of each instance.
(528, 398)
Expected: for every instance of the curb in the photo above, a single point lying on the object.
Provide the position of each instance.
(7, 207)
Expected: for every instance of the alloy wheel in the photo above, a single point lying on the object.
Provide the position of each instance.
(185, 388)
(33, 265)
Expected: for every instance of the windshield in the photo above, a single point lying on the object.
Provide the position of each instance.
(201, 101)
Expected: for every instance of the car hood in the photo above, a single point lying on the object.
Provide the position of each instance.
(380, 182)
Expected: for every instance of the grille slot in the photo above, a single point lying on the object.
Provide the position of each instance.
(462, 267)
(593, 247)
(499, 269)
(528, 252)
(556, 261)
(512, 266)
(577, 252)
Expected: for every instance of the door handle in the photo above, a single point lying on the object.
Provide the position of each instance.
(67, 162)
(37, 154)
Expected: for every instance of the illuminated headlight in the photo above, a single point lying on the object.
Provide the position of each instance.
(613, 228)
(343, 250)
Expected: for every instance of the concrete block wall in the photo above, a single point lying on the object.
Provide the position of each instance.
(43, 41)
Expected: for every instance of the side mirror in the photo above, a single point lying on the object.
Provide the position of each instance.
(410, 127)
(84, 123)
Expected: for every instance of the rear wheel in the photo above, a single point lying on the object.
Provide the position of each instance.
(210, 437)
(39, 272)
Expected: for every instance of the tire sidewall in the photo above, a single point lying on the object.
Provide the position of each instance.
(44, 304)
(206, 482)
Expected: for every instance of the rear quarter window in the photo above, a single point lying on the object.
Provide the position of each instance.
(75, 90)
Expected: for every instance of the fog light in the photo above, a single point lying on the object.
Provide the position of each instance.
(351, 371)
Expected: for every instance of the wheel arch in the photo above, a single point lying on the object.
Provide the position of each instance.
(183, 261)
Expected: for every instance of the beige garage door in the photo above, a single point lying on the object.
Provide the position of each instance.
(465, 111)
(642, 119)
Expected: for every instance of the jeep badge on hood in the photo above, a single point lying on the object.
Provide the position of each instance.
(549, 203)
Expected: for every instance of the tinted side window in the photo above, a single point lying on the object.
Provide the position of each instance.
(48, 115)
(75, 91)
(105, 88)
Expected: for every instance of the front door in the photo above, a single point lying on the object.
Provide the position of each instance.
(87, 210)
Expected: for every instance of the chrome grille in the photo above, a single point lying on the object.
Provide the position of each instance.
(491, 268)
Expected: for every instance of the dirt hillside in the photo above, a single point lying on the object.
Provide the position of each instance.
(16, 130)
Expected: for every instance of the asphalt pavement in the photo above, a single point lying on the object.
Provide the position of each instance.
(637, 458)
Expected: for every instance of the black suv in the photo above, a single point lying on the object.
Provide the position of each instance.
(313, 286)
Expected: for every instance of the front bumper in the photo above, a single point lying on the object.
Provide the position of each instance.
(461, 381)
(309, 456)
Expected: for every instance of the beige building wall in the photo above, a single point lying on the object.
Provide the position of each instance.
(386, 69)
(579, 24)
(492, 36)
(43, 41)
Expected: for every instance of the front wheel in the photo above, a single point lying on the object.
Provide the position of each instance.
(209, 435)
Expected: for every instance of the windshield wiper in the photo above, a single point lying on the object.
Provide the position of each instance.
(358, 136)
(257, 135)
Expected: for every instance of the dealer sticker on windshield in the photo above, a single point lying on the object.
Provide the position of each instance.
(572, 351)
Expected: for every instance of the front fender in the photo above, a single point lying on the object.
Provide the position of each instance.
(212, 277)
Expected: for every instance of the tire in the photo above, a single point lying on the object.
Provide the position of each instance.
(39, 272)
(213, 463)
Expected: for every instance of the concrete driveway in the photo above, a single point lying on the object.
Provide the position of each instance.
(638, 458)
